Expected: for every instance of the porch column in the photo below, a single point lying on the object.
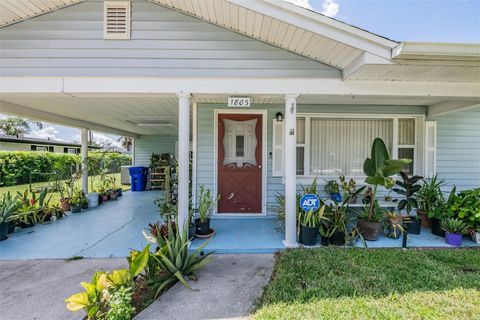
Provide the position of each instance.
(183, 156)
(84, 152)
(290, 154)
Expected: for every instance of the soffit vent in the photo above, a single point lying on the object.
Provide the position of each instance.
(150, 122)
(116, 20)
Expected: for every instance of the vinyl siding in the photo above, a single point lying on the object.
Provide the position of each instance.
(146, 145)
(205, 137)
(458, 148)
(164, 43)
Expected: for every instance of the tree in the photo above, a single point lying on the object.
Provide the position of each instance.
(17, 126)
(126, 142)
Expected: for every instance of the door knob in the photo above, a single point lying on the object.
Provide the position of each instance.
(260, 166)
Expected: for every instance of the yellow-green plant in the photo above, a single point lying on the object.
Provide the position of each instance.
(96, 297)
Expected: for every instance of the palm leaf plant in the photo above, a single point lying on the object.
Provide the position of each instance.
(409, 188)
(175, 260)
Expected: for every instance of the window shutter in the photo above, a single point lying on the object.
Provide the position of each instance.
(430, 148)
(33, 147)
(50, 149)
(277, 149)
(116, 20)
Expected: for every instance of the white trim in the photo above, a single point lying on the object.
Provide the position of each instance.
(427, 148)
(251, 86)
(194, 153)
(446, 107)
(264, 115)
(419, 168)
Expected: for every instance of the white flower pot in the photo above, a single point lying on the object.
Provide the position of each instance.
(476, 237)
(92, 199)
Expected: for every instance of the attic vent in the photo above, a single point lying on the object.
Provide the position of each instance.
(116, 20)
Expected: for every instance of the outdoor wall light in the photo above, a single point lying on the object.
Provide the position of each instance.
(279, 117)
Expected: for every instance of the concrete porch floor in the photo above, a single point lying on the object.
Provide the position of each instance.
(109, 230)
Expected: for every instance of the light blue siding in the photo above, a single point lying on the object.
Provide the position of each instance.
(205, 136)
(164, 43)
(146, 145)
(458, 148)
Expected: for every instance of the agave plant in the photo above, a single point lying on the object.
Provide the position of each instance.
(8, 207)
(175, 260)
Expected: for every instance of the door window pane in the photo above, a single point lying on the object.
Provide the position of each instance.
(301, 130)
(240, 146)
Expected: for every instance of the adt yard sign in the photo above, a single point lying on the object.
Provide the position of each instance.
(309, 201)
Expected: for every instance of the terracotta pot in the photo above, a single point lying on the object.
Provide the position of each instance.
(65, 204)
(104, 197)
(369, 230)
(426, 222)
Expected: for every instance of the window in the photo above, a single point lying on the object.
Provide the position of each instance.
(116, 20)
(71, 150)
(338, 145)
(41, 148)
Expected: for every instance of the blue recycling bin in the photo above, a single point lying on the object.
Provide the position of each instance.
(138, 178)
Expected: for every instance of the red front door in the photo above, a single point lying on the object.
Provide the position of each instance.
(239, 163)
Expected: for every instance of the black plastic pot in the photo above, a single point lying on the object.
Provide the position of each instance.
(100, 199)
(308, 235)
(414, 226)
(202, 228)
(11, 228)
(337, 238)
(437, 228)
(85, 206)
(75, 208)
(324, 241)
(191, 231)
(24, 225)
(3, 231)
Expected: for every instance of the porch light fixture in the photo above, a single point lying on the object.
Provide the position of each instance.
(279, 117)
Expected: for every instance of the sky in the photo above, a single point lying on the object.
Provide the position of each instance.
(400, 20)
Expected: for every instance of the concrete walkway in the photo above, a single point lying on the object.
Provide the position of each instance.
(226, 289)
(109, 230)
(36, 289)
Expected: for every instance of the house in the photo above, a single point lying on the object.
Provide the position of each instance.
(269, 94)
(8, 143)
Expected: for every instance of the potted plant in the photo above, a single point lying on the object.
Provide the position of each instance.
(442, 211)
(84, 201)
(206, 205)
(454, 229)
(8, 212)
(378, 169)
(408, 189)
(309, 224)
(429, 196)
(475, 233)
(333, 189)
(76, 201)
(393, 225)
(467, 208)
(349, 189)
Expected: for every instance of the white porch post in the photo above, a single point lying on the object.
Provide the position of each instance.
(183, 156)
(84, 152)
(290, 154)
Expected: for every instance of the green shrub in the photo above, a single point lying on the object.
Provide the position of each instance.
(18, 167)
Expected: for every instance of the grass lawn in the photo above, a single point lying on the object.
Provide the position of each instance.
(55, 195)
(337, 283)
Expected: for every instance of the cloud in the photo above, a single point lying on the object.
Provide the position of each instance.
(301, 3)
(103, 141)
(330, 8)
(48, 133)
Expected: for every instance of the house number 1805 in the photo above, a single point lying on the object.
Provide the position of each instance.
(238, 102)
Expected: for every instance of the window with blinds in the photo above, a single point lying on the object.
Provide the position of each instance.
(338, 146)
(116, 20)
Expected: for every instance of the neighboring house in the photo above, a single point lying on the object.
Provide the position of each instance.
(31, 144)
(269, 94)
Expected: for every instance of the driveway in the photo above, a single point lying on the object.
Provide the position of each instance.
(36, 289)
(226, 288)
(109, 230)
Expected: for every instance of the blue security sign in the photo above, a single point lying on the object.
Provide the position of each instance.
(309, 201)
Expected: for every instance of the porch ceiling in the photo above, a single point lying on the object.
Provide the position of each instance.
(141, 114)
